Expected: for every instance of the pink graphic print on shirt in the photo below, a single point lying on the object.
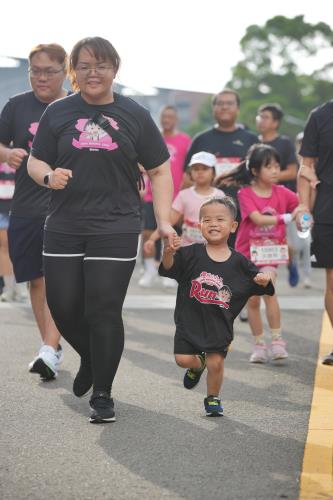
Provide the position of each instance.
(93, 136)
(32, 129)
(221, 296)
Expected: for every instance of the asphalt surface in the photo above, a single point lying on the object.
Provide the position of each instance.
(161, 446)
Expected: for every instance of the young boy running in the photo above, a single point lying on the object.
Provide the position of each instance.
(215, 283)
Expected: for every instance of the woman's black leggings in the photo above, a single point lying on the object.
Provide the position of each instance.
(86, 283)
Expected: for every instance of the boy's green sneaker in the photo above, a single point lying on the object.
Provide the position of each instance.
(213, 406)
(192, 376)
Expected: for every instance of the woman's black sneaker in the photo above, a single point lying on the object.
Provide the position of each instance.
(102, 408)
(83, 381)
(192, 376)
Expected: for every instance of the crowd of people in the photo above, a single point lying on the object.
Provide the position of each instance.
(84, 173)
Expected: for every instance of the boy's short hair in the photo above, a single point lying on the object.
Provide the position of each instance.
(274, 108)
(227, 201)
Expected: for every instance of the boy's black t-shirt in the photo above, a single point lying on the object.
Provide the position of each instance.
(210, 295)
(100, 197)
(18, 125)
(287, 154)
(318, 143)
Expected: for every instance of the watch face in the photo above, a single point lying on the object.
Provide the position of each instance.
(46, 179)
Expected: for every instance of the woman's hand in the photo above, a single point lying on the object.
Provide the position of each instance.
(168, 233)
(59, 178)
(171, 248)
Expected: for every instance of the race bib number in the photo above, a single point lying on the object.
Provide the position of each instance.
(265, 252)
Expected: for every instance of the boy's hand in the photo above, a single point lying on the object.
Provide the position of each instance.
(171, 247)
(262, 279)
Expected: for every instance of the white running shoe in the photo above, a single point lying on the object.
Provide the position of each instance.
(60, 354)
(46, 363)
(147, 279)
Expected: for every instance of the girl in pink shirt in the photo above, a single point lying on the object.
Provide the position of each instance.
(265, 208)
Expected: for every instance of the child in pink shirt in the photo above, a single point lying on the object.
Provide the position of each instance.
(265, 208)
(186, 206)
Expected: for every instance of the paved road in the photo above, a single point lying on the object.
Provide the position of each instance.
(161, 446)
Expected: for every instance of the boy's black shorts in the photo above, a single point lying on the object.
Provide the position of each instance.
(183, 346)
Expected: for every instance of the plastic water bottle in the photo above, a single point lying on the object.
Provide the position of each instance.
(305, 224)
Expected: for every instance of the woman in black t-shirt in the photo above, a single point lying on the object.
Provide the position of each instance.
(87, 149)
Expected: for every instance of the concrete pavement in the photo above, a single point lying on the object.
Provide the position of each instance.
(161, 446)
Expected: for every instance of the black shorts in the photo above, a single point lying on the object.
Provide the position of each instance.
(118, 247)
(322, 246)
(183, 346)
(149, 221)
(25, 243)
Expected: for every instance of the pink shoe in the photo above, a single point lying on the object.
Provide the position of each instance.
(278, 349)
(259, 354)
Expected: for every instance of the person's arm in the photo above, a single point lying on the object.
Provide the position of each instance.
(169, 251)
(269, 220)
(155, 236)
(38, 169)
(12, 156)
(306, 175)
(162, 189)
(289, 174)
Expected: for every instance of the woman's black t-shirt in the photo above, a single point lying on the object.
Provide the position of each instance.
(211, 295)
(100, 197)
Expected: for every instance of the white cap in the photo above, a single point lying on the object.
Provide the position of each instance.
(203, 158)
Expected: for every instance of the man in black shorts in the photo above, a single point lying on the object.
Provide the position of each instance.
(317, 162)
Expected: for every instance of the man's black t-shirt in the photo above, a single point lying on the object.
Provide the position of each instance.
(318, 143)
(100, 198)
(210, 295)
(230, 148)
(287, 154)
(18, 125)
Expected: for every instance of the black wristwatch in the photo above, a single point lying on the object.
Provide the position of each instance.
(47, 178)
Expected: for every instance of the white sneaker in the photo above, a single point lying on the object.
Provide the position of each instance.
(169, 283)
(45, 364)
(147, 279)
(307, 283)
(21, 292)
(8, 296)
(60, 355)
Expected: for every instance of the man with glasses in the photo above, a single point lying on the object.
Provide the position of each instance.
(18, 124)
(227, 140)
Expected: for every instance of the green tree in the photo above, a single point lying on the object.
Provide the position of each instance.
(272, 70)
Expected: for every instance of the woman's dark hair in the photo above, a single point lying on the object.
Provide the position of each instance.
(227, 201)
(100, 48)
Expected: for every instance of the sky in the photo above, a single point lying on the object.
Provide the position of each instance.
(179, 44)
